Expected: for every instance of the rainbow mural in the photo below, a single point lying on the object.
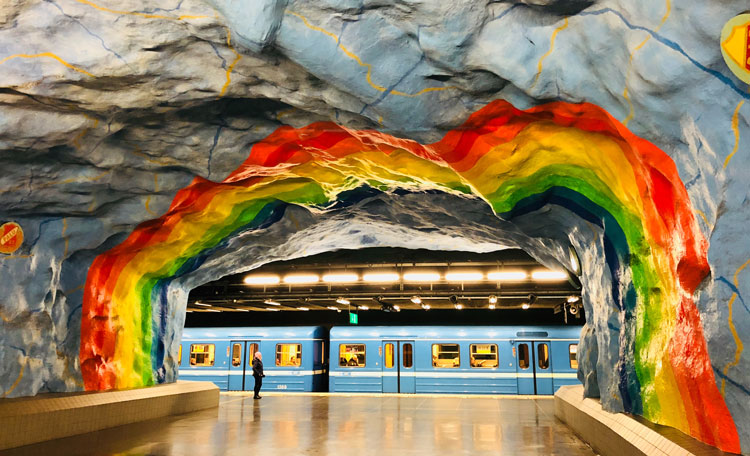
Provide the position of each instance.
(573, 155)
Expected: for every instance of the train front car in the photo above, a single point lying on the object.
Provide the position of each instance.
(445, 359)
(293, 357)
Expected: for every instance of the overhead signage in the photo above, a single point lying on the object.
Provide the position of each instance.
(353, 318)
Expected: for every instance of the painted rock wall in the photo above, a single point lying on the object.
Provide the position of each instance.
(110, 108)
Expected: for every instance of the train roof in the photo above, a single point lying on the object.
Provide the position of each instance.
(249, 332)
(456, 332)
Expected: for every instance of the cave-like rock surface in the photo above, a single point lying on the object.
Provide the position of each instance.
(108, 109)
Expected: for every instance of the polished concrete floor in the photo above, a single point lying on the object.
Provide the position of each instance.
(339, 425)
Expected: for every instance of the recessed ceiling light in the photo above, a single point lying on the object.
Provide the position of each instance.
(416, 300)
(363, 308)
(492, 307)
(261, 279)
(343, 301)
(525, 306)
(301, 278)
(381, 277)
(573, 298)
(464, 276)
(459, 306)
(549, 275)
(492, 299)
(340, 278)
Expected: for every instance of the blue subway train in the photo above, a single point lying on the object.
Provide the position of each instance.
(385, 359)
(293, 357)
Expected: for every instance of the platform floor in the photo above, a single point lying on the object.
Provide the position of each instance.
(339, 425)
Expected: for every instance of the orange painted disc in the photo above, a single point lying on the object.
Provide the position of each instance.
(11, 237)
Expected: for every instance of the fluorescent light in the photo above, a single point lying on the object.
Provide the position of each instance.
(397, 308)
(270, 309)
(426, 306)
(340, 278)
(303, 308)
(334, 308)
(343, 301)
(492, 307)
(301, 278)
(190, 311)
(525, 306)
(363, 308)
(212, 310)
(201, 304)
(416, 300)
(573, 298)
(492, 299)
(271, 302)
(261, 279)
(507, 276)
(549, 275)
(466, 276)
(380, 277)
(421, 277)
(459, 306)
(242, 310)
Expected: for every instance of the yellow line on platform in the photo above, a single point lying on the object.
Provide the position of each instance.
(736, 130)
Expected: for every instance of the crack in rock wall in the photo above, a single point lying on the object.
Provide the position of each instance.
(108, 109)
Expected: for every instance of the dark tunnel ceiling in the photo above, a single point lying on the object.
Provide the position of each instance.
(231, 294)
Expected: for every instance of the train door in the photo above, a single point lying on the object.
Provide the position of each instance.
(524, 367)
(542, 368)
(398, 366)
(241, 354)
(533, 367)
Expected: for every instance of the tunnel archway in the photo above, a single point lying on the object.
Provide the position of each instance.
(575, 157)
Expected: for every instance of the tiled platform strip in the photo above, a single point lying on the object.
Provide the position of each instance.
(28, 420)
(618, 434)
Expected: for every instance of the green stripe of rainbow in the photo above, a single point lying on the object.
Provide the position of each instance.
(574, 155)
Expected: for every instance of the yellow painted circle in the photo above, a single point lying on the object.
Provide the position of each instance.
(11, 237)
(735, 46)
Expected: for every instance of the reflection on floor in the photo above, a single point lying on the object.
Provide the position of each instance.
(340, 425)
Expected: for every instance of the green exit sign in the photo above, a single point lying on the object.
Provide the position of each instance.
(353, 318)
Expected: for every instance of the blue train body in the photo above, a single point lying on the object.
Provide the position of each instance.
(293, 357)
(442, 359)
(417, 359)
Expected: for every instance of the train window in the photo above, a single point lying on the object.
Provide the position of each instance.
(251, 351)
(288, 354)
(389, 356)
(236, 355)
(445, 355)
(573, 353)
(352, 355)
(483, 355)
(523, 356)
(406, 352)
(202, 354)
(542, 351)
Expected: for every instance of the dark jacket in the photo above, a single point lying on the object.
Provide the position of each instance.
(257, 368)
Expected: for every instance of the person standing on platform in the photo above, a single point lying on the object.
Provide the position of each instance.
(258, 373)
